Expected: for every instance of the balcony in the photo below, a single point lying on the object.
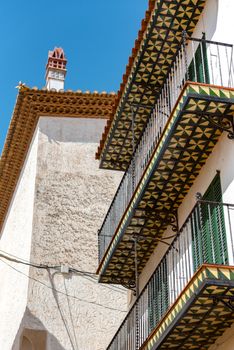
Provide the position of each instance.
(189, 300)
(151, 60)
(181, 132)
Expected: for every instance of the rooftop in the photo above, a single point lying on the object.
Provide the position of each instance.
(31, 104)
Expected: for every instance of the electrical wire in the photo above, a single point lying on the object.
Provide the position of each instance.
(70, 314)
(92, 276)
(62, 313)
(16, 259)
(59, 291)
(40, 266)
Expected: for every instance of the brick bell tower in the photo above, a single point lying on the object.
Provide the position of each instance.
(56, 69)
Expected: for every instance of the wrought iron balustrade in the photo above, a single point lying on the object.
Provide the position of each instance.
(115, 212)
(206, 237)
(198, 61)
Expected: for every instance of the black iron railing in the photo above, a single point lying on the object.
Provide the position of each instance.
(200, 61)
(206, 237)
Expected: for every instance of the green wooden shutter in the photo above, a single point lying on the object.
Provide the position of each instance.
(158, 296)
(208, 228)
(198, 69)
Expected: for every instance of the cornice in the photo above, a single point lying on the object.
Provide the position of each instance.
(30, 105)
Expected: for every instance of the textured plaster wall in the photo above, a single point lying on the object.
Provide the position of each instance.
(72, 196)
(16, 239)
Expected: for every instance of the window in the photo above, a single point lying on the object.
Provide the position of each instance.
(208, 228)
(198, 69)
(158, 300)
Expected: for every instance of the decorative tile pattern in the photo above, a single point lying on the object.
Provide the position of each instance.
(201, 313)
(159, 47)
(186, 143)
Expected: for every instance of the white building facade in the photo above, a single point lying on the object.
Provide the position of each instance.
(171, 221)
(54, 198)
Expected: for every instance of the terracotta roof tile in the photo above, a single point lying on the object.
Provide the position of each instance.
(135, 49)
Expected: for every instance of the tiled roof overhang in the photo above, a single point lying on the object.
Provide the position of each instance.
(186, 143)
(200, 314)
(30, 105)
(152, 58)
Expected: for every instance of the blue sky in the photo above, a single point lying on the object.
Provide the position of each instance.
(96, 35)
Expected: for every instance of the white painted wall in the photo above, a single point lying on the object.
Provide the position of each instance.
(16, 239)
(59, 204)
(55, 79)
(216, 22)
(72, 198)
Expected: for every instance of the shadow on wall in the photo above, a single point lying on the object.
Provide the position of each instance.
(71, 129)
(210, 22)
(32, 335)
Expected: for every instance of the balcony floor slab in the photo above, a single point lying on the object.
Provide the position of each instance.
(187, 141)
(201, 314)
(153, 61)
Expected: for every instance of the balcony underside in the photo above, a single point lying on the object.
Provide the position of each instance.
(187, 141)
(154, 59)
(201, 314)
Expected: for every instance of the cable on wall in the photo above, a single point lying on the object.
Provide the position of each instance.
(59, 291)
(89, 275)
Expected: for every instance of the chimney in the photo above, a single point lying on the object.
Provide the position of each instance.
(56, 69)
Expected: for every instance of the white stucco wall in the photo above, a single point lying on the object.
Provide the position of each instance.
(216, 22)
(16, 239)
(72, 196)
